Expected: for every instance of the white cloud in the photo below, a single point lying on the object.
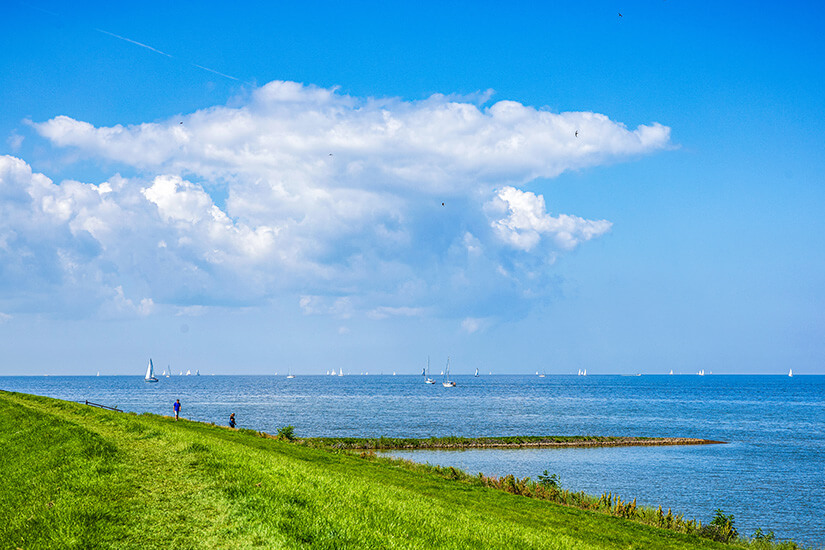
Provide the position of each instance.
(471, 325)
(118, 305)
(527, 221)
(14, 141)
(383, 312)
(5, 317)
(306, 192)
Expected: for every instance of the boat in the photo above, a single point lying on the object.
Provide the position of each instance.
(426, 373)
(476, 374)
(543, 374)
(188, 372)
(289, 374)
(197, 372)
(582, 372)
(447, 383)
(790, 372)
(701, 372)
(671, 372)
(150, 372)
(341, 372)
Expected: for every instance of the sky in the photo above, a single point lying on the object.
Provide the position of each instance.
(623, 187)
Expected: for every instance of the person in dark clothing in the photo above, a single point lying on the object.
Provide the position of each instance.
(232, 420)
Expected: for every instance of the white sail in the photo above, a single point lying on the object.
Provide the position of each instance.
(790, 372)
(150, 372)
(189, 372)
(447, 383)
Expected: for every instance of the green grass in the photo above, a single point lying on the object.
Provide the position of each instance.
(79, 477)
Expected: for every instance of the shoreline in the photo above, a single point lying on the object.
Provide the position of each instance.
(533, 442)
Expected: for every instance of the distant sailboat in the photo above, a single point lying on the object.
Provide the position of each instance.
(341, 372)
(476, 374)
(671, 371)
(332, 373)
(790, 372)
(701, 372)
(197, 373)
(289, 374)
(188, 372)
(426, 373)
(543, 374)
(447, 383)
(150, 373)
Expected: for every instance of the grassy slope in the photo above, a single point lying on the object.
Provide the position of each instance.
(75, 476)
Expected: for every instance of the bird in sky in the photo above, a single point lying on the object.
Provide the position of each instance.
(620, 14)
(577, 133)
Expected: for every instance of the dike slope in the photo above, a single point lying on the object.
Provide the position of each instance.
(79, 477)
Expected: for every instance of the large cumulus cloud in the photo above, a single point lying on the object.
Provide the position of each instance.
(381, 207)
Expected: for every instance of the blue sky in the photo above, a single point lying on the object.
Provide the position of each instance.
(250, 190)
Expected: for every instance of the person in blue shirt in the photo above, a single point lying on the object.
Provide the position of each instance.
(232, 420)
(176, 406)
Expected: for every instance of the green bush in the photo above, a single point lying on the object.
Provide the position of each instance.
(287, 433)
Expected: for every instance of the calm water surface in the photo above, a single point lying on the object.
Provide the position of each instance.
(771, 474)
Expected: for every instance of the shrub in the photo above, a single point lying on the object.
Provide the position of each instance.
(721, 528)
(549, 481)
(287, 433)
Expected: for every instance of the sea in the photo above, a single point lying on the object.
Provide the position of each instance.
(769, 473)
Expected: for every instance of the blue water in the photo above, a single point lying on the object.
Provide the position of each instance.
(770, 474)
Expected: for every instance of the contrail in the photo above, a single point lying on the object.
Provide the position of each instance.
(214, 71)
(142, 45)
(135, 42)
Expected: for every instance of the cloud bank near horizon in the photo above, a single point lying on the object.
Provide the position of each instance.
(345, 206)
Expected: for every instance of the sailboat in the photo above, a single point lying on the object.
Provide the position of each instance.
(189, 372)
(790, 372)
(289, 374)
(426, 373)
(447, 383)
(476, 374)
(543, 374)
(341, 371)
(150, 372)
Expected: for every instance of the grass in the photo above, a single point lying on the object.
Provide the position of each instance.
(79, 477)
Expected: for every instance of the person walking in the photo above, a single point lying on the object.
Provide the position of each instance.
(176, 406)
(232, 420)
